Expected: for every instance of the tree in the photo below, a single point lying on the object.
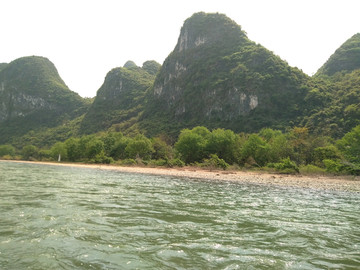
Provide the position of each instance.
(110, 139)
(349, 145)
(278, 144)
(139, 147)
(161, 149)
(7, 150)
(94, 147)
(118, 150)
(57, 149)
(191, 144)
(256, 148)
(30, 152)
(72, 149)
(222, 143)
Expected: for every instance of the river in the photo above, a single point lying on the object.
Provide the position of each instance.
(55, 217)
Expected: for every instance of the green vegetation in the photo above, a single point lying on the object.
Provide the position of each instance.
(218, 78)
(218, 101)
(333, 104)
(33, 97)
(291, 152)
(345, 59)
(120, 98)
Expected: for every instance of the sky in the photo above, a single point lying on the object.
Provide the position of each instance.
(85, 39)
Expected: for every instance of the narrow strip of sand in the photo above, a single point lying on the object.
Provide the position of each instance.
(342, 183)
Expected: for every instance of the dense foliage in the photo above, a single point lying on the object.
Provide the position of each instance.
(33, 96)
(345, 59)
(120, 98)
(217, 77)
(291, 152)
(215, 80)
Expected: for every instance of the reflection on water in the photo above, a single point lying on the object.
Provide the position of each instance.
(76, 218)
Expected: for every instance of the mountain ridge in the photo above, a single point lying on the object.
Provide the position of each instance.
(215, 77)
(33, 95)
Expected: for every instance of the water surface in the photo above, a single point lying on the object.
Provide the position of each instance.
(55, 217)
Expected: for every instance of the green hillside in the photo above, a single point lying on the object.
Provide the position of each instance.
(121, 97)
(345, 59)
(217, 77)
(33, 95)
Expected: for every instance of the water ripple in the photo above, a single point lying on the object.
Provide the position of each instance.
(75, 218)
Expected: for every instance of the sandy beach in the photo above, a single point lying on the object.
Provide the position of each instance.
(345, 183)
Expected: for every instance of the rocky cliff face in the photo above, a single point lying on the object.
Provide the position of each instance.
(121, 97)
(32, 94)
(32, 83)
(217, 77)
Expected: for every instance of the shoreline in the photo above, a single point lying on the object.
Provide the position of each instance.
(338, 183)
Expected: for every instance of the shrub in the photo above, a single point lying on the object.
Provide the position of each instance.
(30, 152)
(192, 143)
(215, 162)
(175, 163)
(338, 166)
(102, 159)
(128, 161)
(311, 169)
(332, 166)
(284, 166)
(7, 150)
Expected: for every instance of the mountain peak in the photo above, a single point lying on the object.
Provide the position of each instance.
(217, 77)
(130, 64)
(346, 58)
(209, 28)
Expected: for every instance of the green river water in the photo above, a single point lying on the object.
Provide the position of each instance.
(55, 217)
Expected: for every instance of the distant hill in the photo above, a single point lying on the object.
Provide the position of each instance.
(32, 95)
(345, 59)
(333, 102)
(217, 77)
(2, 66)
(121, 97)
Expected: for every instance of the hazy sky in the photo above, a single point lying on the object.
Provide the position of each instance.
(85, 39)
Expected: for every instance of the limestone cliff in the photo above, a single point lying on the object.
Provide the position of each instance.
(121, 97)
(32, 94)
(217, 77)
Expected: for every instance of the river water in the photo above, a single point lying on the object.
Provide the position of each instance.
(55, 217)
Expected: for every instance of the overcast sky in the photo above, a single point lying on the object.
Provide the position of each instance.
(85, 39)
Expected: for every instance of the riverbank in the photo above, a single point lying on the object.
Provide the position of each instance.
(344, 183)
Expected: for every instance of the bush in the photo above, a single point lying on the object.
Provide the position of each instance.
(284, 166)
(102, 159)
(337, 166)
(332, 166)
(311, 169)
(7, 150)
(128, 161)
(192, 143)
(140, 147)
(157, 162)
(30, 152)
(175, 163)
(214, 162)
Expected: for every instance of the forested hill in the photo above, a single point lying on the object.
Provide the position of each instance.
(32, 96)
(217, 77)
(333, 102)
(121, 98)
(345, 59)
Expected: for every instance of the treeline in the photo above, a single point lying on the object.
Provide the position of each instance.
(294, 151)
